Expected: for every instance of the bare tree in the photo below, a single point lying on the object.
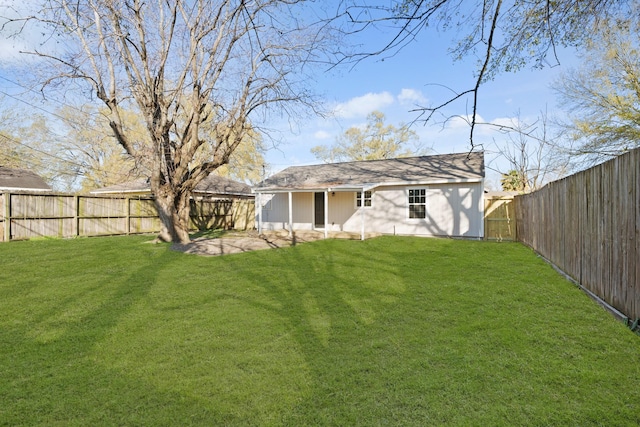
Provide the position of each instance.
(503, 36)
(533, 155)
(180, 63)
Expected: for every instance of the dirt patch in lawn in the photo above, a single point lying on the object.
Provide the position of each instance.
(238, 242)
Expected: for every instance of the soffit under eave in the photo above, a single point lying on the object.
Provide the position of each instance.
(365, 186)
(272, 190)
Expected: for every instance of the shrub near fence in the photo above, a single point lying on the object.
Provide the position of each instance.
(28, 215)
(588, 225)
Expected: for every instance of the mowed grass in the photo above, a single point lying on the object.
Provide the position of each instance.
(389, 331)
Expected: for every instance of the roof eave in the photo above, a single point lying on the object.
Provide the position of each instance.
(147, 190)
(473, 180)
(213, 193)
(142, 190)
(367, 186)
(38, 190)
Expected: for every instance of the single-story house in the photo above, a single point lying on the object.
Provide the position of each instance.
(18, 180)
(213, 187)
(439, 195)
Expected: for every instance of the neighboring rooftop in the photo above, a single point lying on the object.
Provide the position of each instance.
(497, 193)
(21, 180)
(459, 167)
(213, 184)
(219, 185)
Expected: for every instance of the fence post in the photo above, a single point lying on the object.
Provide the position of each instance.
(128, 226)
(76, 218)
(7, 216)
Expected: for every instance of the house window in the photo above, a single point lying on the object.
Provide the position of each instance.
(417, 203)
(366, 199)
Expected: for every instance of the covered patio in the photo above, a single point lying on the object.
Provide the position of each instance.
(322, 200)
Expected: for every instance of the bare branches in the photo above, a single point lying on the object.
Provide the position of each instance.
(533, 156)
(524, 33)
(198, 72)
(429, 112)
(412, 17)
(483, 70)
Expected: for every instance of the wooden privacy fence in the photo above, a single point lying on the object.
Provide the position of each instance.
(588, 225)
(28, 215)
(499, 218)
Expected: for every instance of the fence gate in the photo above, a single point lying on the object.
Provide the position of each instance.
(499, 218)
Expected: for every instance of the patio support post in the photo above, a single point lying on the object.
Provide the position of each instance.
(326, 213)
(290, 214)
(259, 208)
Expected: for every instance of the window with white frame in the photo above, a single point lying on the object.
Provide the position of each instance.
(363, 201)
(417, 203)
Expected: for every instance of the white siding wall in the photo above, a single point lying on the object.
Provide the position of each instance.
(452, 210)
(342, 206)
(277, 216)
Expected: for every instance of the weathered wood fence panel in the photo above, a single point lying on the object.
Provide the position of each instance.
(499, 218)
(27, 215)
(243, 214)
(588, 224)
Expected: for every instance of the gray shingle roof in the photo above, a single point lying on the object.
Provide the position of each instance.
(20, 179)
(139, 185)
(213, 184)
(458, 167)
(219, 185)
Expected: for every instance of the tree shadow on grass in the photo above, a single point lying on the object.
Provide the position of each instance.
(55, 369)
(342, 326)
(408, 334)
(325, 333)
(142, 350)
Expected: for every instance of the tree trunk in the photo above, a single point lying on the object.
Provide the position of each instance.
(173, 210)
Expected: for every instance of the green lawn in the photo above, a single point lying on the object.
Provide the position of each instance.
(389, 331)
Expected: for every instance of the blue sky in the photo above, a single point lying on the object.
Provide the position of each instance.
(414, 76)
(418, 75)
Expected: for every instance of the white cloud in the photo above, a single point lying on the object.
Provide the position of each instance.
(321, 134)
(501, 124)
(461, 122)
(411, 96)
(362, 105)
(506, 121)
(27, 39)
(10, 50)
(26, 36)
